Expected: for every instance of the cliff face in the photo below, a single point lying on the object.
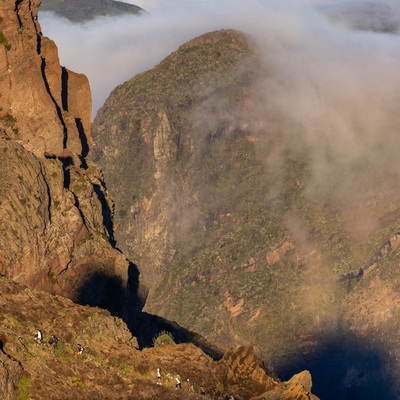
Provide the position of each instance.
(166, 152)
(56, 215)
(37, 93)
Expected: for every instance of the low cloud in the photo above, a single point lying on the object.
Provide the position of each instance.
(331, 71)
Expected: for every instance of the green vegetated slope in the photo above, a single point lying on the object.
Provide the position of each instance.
(214, 204)
(82, 10)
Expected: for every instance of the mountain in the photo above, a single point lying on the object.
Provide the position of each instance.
(238, 233)
(83, 10)
(60, 270)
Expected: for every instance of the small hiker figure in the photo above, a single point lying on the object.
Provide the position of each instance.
(178, 383)
(80, 349)
(54, 341)
(190, 385)
(38, 337)
(202, 391)
(159, 376)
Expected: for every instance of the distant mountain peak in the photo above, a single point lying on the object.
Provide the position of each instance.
(84, 10)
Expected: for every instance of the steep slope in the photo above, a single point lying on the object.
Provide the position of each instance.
(110, 366)
(83, 10)
(215, 206)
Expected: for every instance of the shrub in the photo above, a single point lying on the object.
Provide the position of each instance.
(4, 42)
(163, 338)
(8, 119)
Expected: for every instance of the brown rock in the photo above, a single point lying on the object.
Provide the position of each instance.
(244, 377)
(34, 102)
(53, 235)
(297, 388)
(56, 215)
(10, 372)
(276, 255)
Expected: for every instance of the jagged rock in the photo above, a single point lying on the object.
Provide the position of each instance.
(244, 376)
(34, 91)
(297, 388)
(53, 235)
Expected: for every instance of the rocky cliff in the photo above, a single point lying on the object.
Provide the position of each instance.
(56, 214)
(214, 204)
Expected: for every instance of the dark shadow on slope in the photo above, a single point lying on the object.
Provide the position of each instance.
(149, 326)
(126, 301)
(83, 139)
(346, 367)
(64, 88)
(104, 291)
(107, 213)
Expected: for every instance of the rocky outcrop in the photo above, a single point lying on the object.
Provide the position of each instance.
(57, 226)
(35, 89)
(243, 373)
(298, 387)
(58, 233)
(245, 378)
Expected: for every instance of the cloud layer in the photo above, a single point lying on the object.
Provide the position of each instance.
(112, 50)
(331, 70)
